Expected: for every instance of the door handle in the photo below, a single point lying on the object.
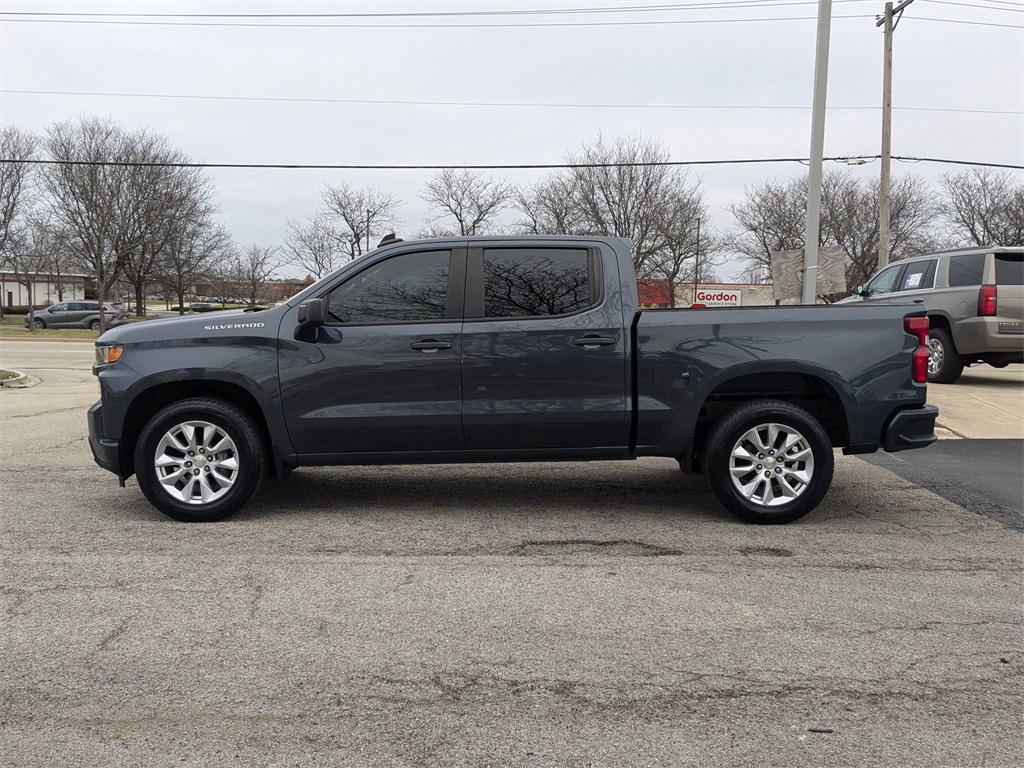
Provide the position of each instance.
(595, 341)
(431, 345)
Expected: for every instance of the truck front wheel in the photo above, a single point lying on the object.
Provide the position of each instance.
(199, 460)
(769, 461)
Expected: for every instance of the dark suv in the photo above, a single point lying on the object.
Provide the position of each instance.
(975, 301)
(77, 314)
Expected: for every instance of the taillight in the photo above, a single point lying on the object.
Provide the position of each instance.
(987, 301)
(918, 326)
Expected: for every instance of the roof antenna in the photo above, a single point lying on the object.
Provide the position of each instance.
(389, 238)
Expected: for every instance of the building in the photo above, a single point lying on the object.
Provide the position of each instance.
(654, 294)
(46, 289)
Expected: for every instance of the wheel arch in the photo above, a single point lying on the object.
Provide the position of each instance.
(153, 399)
(811, 391)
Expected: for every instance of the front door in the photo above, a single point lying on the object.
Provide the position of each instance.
(384, 372)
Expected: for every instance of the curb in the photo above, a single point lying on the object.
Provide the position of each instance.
(18, 380)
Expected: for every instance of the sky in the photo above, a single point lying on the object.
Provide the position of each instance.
(458, 83)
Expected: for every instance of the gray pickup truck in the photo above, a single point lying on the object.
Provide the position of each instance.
(506, 349)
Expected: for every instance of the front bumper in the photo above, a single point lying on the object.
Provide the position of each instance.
(105, 452)
(912, 428)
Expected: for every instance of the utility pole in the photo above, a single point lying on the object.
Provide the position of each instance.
(810, 280)
(888, 24)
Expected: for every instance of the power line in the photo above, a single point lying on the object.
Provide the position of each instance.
(1018, 9)
(516, 25)
(414, 25)
(500, 166)
(552, 105)
(663, 8)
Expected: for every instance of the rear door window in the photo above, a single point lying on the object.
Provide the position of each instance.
(537, 282)
(966, 270)
(918, 276)
(1010, 269)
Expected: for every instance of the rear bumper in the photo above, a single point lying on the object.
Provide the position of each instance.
(912, 428)
(105, 452)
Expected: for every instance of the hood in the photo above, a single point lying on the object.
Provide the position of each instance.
(192, 326)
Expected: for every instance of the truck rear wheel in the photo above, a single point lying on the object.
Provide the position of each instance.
(199, 460)
(769, 461)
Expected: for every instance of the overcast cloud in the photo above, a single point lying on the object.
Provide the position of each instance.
(958, 88)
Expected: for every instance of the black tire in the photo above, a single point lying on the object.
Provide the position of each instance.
(229, 479)
(94, 325)
(944, 363)
(795, 484)
(39, 324)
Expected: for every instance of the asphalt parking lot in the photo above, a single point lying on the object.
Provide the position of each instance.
(605, 614)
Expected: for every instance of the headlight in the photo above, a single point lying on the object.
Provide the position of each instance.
(108, 353)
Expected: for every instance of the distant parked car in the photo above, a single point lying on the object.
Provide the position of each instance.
(975, 301)
(77, 314)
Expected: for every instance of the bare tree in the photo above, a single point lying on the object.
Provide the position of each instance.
(172, 196)
(252, 269)
(690, 250)
(316, 245)
(772, 217)
(193, 246)
(100, 189)
(550, 208)
(623, 188)
(983, 206)
(363, 215)
(31, 260)
(473, 201)
(17, 149)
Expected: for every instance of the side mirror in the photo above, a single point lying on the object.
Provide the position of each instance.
(860, 290)
(312, 315)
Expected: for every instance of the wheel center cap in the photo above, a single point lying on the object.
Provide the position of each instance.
(200, 461)
(769, 463)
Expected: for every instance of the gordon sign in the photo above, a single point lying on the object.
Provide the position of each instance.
(716, 297)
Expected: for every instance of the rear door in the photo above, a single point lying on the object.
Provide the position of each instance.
(543, 350)
(915, 282)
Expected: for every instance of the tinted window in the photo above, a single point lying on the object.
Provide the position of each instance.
(966, 270)
(884, 281)
(81, 306)
(59, 308)
(1010, 269)
(410, 287)
(524, 282)
(919, 275)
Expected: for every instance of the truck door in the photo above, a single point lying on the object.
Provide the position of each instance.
(543, 350)
(384, 372)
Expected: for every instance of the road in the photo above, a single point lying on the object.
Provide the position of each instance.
(558, 614)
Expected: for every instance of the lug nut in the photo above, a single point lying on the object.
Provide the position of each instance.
(767, 474)
(760, 466)
(202, 450)
(189, 464)
(207, 469)
(778, 470)
(191, 453)
(195, 471)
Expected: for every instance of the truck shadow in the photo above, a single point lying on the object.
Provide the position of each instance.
(517, 490)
